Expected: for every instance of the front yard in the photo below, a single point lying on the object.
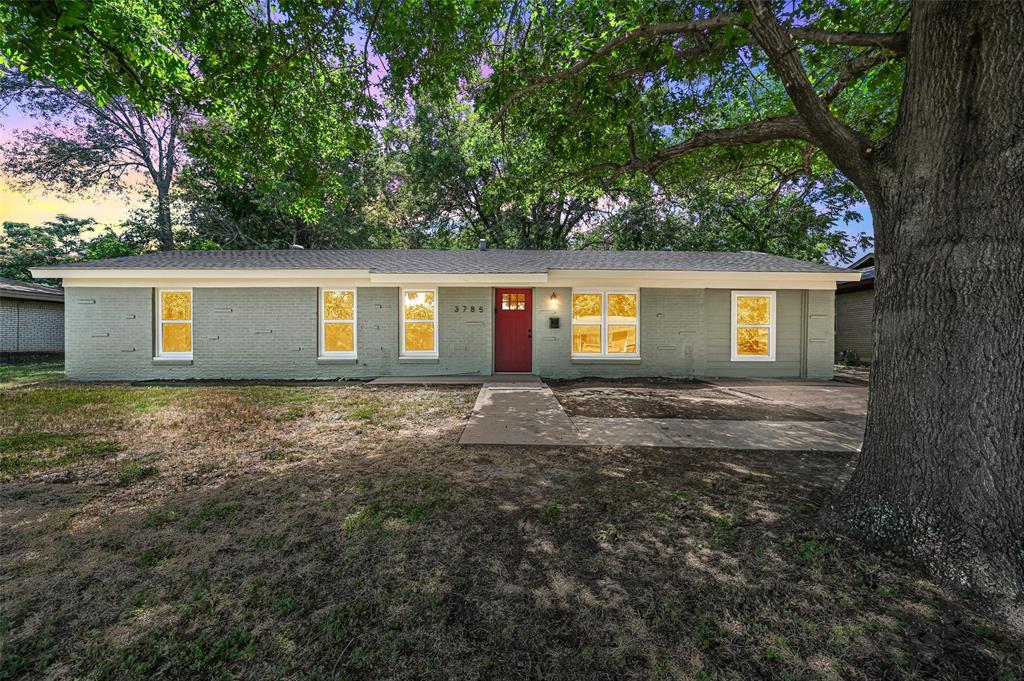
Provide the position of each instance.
(340, 532)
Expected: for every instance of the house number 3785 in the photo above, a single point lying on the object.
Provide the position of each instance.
(469, 308)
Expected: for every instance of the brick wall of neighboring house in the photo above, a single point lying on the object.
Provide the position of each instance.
(272, 333)
(30, 327)
(853, 322)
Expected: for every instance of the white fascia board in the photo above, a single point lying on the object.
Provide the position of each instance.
(601, 279)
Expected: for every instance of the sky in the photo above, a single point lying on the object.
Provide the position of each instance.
(37, 205)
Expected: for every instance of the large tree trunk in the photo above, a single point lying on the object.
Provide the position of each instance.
(164, 225)
(941, 476)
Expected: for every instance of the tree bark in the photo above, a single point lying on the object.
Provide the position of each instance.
(941, 474)
(164, 224)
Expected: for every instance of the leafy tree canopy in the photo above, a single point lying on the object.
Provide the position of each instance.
(520, 122)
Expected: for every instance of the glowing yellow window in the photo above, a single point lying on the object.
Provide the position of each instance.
(621, 339)
(605, 323)
(175, 338)
(513, 301)
(338, 317)
(586, 307)
(753, 326)
(419, 322)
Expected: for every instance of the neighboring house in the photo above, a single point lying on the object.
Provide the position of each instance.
(300, 314)
(855, 302)
(31, 321)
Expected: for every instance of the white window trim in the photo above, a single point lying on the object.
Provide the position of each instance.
(770, 357)
(160, 354)
(604, 323)
(338, 354)
(401, 339)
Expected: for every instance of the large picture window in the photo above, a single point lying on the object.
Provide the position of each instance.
(753, 326)
(174, 335)
(338, 323)
(605, 324)
(419, 322)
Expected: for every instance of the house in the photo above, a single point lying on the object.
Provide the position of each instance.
(855, 301)
(306, 314)
(31, 321)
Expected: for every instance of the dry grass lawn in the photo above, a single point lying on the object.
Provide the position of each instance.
(341, 533)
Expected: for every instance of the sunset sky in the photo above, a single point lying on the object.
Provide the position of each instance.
(37, 205)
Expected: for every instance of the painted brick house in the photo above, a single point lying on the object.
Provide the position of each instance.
(301, 314)
(31, 321)
(855, 307)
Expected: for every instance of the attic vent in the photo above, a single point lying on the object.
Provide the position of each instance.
(296, 247)
(482, 246)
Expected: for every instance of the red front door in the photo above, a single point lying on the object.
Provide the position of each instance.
(513, 329)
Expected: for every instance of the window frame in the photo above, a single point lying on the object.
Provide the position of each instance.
(604, 324)
(159, 317)
(734, 325)
(414, 354)
(339, 354)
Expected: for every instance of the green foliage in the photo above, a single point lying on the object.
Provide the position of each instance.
(424, 124)
(111, 48)
(60, 240)
(66, 239)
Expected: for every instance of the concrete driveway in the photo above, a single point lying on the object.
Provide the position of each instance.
(781, 415)
(832, 400)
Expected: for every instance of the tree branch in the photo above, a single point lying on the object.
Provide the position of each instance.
(648, 31)
(846, 148)
(859, 65)
(895, 41)
(780, 128)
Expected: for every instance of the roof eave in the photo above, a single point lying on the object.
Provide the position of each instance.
(55, 297)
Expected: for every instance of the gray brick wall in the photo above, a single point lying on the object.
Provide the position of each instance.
(686, 332)
(671, 337)
(267, 333)
(30, 326)
(272, 333)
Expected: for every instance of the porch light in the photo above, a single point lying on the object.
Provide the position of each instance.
(553, 298)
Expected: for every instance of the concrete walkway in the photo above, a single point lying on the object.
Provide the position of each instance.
(502, 379)
(528, 413)
(519, 414)
(817, 436)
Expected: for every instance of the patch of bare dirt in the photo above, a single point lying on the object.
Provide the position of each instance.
(670, 400)
(341, 533)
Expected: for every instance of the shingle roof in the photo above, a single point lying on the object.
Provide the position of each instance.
(461, 262)
(12, 288)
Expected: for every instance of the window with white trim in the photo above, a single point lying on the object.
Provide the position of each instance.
(753, 326)
(605, 324)
(419, 322)
(174, 323)
(338, 323)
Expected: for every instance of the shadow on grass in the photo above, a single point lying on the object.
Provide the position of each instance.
(397, 554)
